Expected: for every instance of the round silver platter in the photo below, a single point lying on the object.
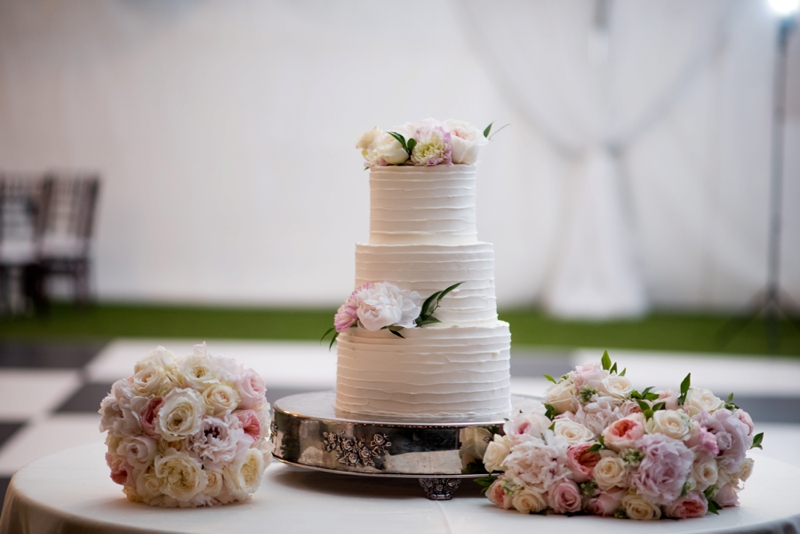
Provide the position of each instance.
(307, 433)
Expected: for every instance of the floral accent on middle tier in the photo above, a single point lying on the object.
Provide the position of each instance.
(437, 373)
(428, 268)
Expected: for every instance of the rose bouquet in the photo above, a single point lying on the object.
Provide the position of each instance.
(424, 143)
(601, 447)
(384, 306)
(186, 432)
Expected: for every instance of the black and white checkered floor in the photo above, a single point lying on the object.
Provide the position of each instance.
(50, 393)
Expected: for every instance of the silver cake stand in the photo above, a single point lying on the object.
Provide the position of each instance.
(307, 433)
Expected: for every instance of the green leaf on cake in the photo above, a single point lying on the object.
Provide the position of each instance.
(400, 139)
(488, 130)
(430, 305)
(411, 144)
(333, 339)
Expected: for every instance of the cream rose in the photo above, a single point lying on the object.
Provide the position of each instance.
(245, 478)
(528, 501)
(198, 371)
(181, 414)
(609, 472)
(466, 141)
(674, 424)
(138, 450)
(220, 398)
(618, 387)
(746, 470)
(496, 453)
(573, 432)
(705, 472)
(182, 477)
(151, 380)
(386, 150)
(561, 396)
(215, 482)
(148, 485)
(701, 400)
(639, 508)
(367, 139)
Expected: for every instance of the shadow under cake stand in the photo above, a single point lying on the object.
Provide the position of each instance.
(307, 433)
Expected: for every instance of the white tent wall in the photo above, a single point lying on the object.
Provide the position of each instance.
(224, 132)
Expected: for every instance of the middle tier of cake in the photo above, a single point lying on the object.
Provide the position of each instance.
(436, 373)
(427, 269)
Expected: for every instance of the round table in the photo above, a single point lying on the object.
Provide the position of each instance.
(71, 492)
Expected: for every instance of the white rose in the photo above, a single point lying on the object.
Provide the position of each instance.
(220, 398)
(609, 472)
(148, 485)
(215, 482)
(573, 432)
(466, 141)
(181, 414)
(182, 477)
(159, 357)
(637, 507)
(701, 400)
(139, 451)
(151, 380)
(367, 139)
(618, 387)
(496, 453)
(705, 471)
(746, 470)
(244, 478)
(385, 304)
(198, 371)
(675, 424)
(561, 396)
(528, 501)
(386, 150)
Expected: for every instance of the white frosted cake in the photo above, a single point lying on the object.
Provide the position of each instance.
(423, 239)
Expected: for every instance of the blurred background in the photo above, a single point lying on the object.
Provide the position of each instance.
(185, 170)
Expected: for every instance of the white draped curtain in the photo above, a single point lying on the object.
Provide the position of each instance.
(591, 75)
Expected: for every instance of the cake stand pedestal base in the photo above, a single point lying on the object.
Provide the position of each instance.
(307, 433)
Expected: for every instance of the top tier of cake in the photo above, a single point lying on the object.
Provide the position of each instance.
(422, 205)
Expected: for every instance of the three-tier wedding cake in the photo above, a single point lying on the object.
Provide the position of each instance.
(447, 358)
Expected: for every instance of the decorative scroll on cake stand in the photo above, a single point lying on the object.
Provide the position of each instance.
(307, 433)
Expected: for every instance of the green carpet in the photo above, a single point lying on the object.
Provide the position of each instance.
(660, 331)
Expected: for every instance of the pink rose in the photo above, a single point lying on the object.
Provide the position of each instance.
(733, 442)
(251, 424)
(581, 461)
(347, 315)
(624, 433)
(669, 397)
(150, 414)
(591, 374)
(728, 495)
(565, 497)
(525, 426)
(498, 495)
(121, 470)
(252, 389)
(745, 418)
(692, 505)
(629, 408)
(703, 441)
(663, 469)
(606, 503)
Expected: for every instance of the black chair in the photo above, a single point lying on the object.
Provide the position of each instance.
(64, 249)
(20, 229)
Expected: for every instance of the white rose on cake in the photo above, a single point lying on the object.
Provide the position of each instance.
(386, 150)
(466, 141)
(385, 304)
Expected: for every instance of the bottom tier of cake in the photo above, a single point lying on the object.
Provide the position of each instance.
(436, 373)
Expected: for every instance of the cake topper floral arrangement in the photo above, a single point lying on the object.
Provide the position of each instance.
(424, 143)
(384, 306)
(604, 448)
(187, 432)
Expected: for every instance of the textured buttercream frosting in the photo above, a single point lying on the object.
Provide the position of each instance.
(435, 373)
(423, 238)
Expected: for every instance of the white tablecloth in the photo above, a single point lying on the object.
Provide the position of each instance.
(71, 492)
